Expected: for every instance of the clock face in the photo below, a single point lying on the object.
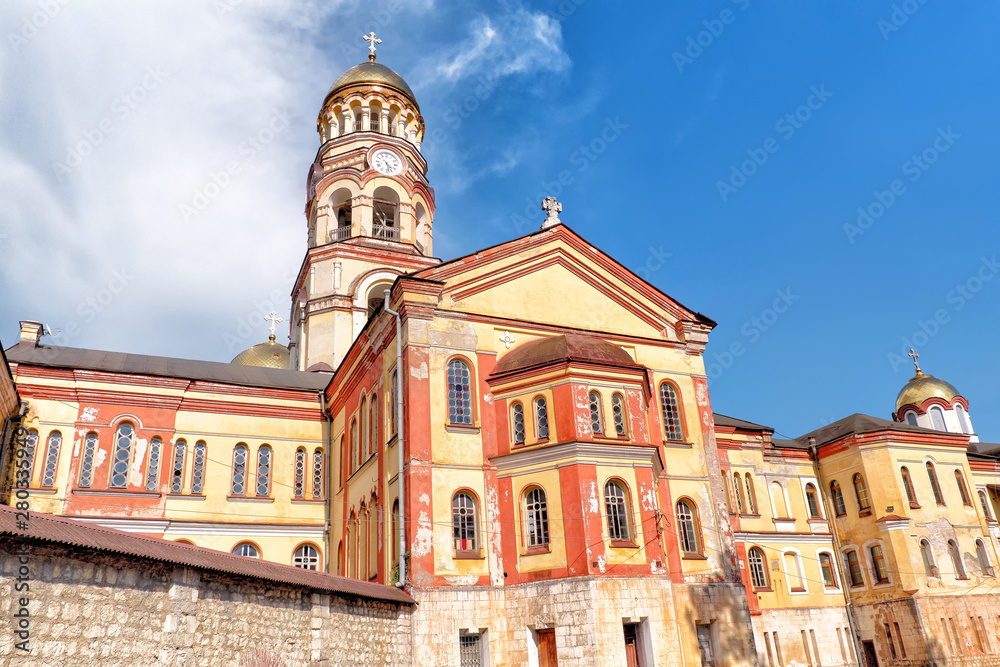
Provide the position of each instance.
(387, 162)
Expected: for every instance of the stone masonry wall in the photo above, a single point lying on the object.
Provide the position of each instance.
(91, 608)
(827, 625)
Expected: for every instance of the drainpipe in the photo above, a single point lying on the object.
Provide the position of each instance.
(401, 581)
(814, 451)
(327, 472)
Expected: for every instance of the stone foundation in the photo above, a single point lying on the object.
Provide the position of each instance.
(780, 641)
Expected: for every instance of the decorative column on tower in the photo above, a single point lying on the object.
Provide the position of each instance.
(369, 210)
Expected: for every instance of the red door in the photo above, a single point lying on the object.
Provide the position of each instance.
(547, 648)
(631, 651)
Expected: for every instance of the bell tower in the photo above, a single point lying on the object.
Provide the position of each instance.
(369, 210)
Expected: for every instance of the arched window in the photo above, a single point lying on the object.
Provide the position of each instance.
(153, 464)
(963, 490)
(240, 454)
(596, 418)
(385, 214)
(30, 445)
(937, 418)
(879, 569)
(963, 420)
(778, 498)
(541, 418)
(198, 474)
(617, 512)
(352, 546)
(738, 486)
(299, 474)
(932, 476)
(121, 460)
(263, 470)
(794, 575)
(355, 446)
(985, 503)
(393, 394)
(984, 561)
(751, 495)
(459, 392)
(319, 477)
(463, 523)
(373, 512)
(87, 462)
(826, 569)
(246, 549)
(671, 412)
(758, 570)
(373, 426)
(927, 556)
(861, 493)
(536, 518)
(839, 507)
(340, 558)
(854, 568)
(177, 472)
(911, 418)
(306, 557)
(363, 435)
(812, 502)
(956, 560)
(618, 412)
(51, 459)
(517, 423)
(687, 528)
(911, 496)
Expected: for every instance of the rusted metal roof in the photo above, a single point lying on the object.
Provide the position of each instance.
(142, 364)
(60, 530)
(566, 347)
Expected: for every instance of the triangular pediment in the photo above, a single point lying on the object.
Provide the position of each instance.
(557, 278)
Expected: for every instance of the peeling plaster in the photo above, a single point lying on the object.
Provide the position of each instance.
(462, 580)
(135, 474)
(425, 499)
(648, 495)
(420, 372)
(595, 506)
(657, 569)
(493, 523)
(89, 415)
(488, 398)
(701, 393)
(101, 455)
(602, 564)
(424, 539)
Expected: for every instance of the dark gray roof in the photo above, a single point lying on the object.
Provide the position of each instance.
(60, 530)
(858, 424)
(723, 420)
(141, 364)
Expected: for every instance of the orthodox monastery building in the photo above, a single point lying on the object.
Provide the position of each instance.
(542, 475)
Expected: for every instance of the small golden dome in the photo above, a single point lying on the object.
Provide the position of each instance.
(921, 387)
(265, 355)
(372, 73)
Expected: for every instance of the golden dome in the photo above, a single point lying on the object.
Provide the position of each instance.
(372, 73)
(265, 355)
(921, 387)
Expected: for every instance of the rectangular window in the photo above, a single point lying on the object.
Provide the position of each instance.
(888, 637)
(979, 637)
(805, 649)
(767, 645)
(826, 566)
(705, 647)
(985, 636)
(854, 567)
(899, 638)
(470, 649)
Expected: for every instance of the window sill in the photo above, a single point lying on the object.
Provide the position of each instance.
(678, 443)
(46, 491)
(186, 496)
(392, 440)
(763, 590)
(469, 555)
(864, 513)
(624, 544)
(853, 586)
(248, 499)
(831, 589)
(689, 556)
(533, 551)
(461, 428)
(308, 501)
(751, 516)
(117, 492)
(797, 589)
(914, 506)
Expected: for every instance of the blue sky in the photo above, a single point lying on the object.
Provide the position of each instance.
(723, 150)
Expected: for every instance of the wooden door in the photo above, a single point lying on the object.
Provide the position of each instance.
(631, 647)
(871, 660)
(547, 648)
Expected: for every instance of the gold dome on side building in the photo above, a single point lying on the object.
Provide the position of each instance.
(921, 387)
(264, 355)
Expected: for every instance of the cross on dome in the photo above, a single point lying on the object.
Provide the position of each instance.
(273, 319)
(913, 355)
(372, 41)
(553, 208)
